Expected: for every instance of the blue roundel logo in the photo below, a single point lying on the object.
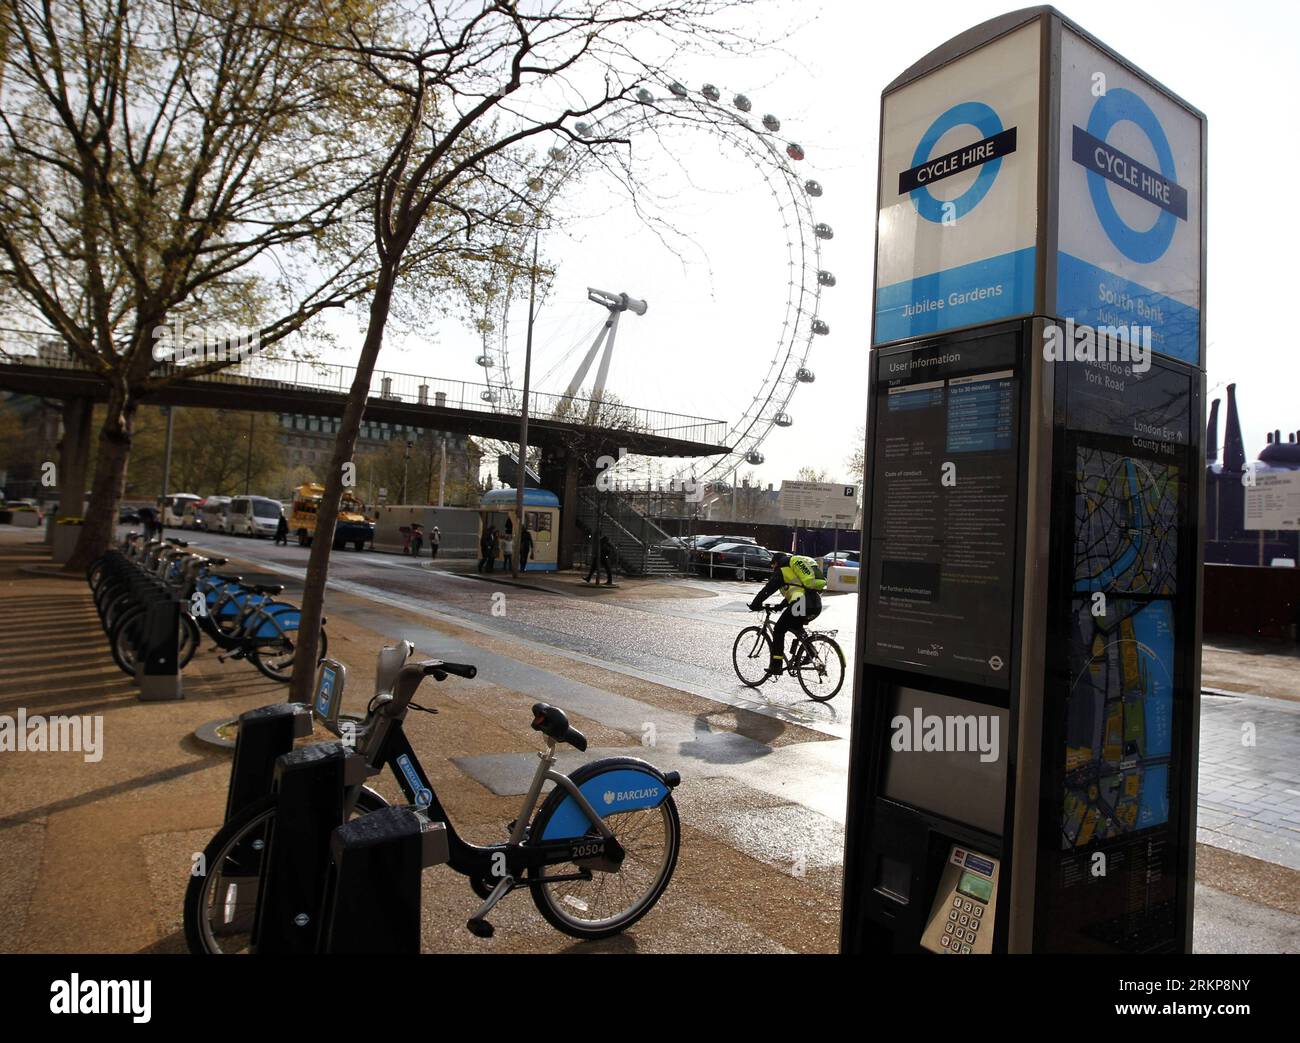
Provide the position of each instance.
(969, 113)
(1113, 107)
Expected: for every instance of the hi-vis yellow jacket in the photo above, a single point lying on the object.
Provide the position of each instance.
(801, 575)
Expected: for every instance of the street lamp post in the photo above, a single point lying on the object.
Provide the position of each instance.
(442, 474)
(248, 460)
(167, 452)
(406, 461)
(523, 417)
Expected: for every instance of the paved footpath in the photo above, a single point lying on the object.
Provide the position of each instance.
(761, 799)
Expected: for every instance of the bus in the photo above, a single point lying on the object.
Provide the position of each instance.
(353, 526)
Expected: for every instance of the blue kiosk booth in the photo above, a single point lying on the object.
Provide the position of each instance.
(541, 518)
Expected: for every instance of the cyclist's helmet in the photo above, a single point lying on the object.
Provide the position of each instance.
(780, 560)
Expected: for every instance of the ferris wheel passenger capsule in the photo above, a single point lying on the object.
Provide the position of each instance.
(583, 129)
(794, 151)
(820, 328)
(825, 278)
(644, 95)
(804, 375)
(742, 103)
(813, 188)
(486, 361)
(783, 420)
(754, 457)
(710, 92)
(488, 395)
(823, 231)
(678, 89)
(556, 153)
(771, 123)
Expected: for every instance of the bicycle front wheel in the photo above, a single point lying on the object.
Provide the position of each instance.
(221, 898)
(820, 667)
(750, 655)
(125, 638)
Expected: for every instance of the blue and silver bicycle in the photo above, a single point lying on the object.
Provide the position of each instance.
(595, 854)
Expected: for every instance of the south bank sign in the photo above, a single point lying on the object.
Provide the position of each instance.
(1129, 203)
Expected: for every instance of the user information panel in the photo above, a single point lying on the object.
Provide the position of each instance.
(942, 568)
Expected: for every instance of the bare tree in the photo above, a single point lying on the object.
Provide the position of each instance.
(483, 81)
(856, 460)
(161, 154)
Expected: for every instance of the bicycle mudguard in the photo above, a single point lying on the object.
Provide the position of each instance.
(274, 621)
(612, 785)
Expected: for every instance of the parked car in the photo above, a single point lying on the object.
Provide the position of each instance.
(740, 560)
(253, 516)
(213, 516)
(26, 513)
(851, 559)
(705, 542)
(128, 515)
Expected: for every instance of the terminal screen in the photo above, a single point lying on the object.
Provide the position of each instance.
(947, 756)
(943, 509)
(978, 887)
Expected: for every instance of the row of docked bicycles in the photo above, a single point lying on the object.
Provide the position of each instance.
(244, 620)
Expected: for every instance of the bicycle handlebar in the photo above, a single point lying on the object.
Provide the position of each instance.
(440, 670)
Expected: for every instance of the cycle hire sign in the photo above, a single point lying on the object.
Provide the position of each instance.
(957, 220)
(1129, 200)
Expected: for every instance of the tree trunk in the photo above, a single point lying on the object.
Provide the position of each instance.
(111, 458)
(313, 595)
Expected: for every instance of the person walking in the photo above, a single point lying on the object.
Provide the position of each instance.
(508, 551)
(149, 519)
(417, 539)
(282, 529)
(488, 547)
(602, 558)
(525, 549)
(435, 538)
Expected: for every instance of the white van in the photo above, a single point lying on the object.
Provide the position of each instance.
(212, 517)
(253, 516)
(173, 507)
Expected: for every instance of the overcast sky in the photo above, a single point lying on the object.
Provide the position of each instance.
(717, 291)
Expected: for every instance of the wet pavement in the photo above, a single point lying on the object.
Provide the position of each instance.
(774, 794)
(683, 641)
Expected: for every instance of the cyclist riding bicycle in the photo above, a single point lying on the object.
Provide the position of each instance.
(799, 579)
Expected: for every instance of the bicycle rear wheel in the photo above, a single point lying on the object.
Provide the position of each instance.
(750, 655)
(220, 903)
(276, 661)
(609, 902)
(819, 665)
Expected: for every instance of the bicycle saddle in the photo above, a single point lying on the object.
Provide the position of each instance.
(552, 721)
(176, 542)
(270, 589)
(229, 577)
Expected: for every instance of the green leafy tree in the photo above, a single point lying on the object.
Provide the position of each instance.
(165, 162)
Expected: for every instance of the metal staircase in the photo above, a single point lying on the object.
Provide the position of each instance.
(633, 535)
